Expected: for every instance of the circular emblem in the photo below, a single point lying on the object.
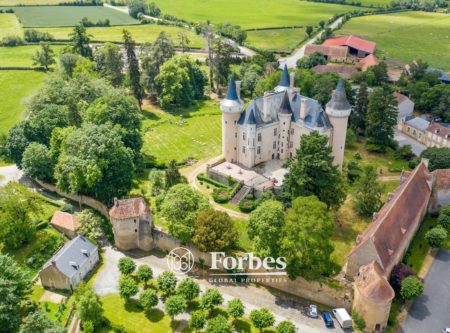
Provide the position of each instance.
(180, 260)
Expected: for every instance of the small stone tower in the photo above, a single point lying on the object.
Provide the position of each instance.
(338, 110)
(231, 108)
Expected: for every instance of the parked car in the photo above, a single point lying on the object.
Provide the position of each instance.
(327, 319)
(446, 330)
(312, 311)
(343, 318)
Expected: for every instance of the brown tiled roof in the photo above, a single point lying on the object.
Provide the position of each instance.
(128, 208)
(353, 42)
(400, 97)
(394, 225)
(65, 220)
(331, 51)
(344, 71)
(367, 62)
(443, 131)
(441, 179)
(372, 283)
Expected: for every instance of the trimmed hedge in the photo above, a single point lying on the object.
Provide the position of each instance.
(211, 181)
(221, 195)
(246, 205)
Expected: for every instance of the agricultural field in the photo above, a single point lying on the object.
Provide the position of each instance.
(375, 3)
(66, 16)
(406, 36)
(276, 39)
(181, 134)
(31, 2)
(9, 25)
(253, 13)
(17, 86)
(21, 56)
(141, 33)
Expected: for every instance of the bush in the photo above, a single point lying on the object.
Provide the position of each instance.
(411, 288)
(444, 220)
(436, 237)
(126, 265)
(35, 36)
(202, 177)
(11, 40)
(246, 205)
(375, 148)
(220, 195)
(358, 320)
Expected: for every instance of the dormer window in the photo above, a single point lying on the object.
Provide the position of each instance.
(437, 130)
(73, 264)
(85, 252)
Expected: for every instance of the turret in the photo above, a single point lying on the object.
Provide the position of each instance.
(285, 115)
(231, 107)
(338, 110)
(284, 84)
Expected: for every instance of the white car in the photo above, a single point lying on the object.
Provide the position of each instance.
(313, 311)
(446, 330)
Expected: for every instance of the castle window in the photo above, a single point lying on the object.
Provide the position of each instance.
(235, 122)
(243, 136)
(291, 144)
(282, 144)
(259, 137)
(292, 131)
(243, 150)
(135, 230)
(235, 134)
(258, 150)
(274, 145)
(226, 122)
(284, 123)
(275, 131)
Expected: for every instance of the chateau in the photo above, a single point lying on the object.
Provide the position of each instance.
(271, 126)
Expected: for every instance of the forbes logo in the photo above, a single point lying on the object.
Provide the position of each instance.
(220, 260)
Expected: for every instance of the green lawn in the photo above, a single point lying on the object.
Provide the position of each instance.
(198, 138)
(253, 13)
(375, 3)
(31, 2)
(276, 39)
(66, 16)
(406, 36)
(16, 87)
(141, 33)
(21, 56)
(9, 25)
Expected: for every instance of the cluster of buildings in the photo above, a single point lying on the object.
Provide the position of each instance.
(431, 134)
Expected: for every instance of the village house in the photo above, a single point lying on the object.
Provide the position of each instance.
(405, 107)
(357, 46)
(66, 223)
(438, 135)
(132, 224)
(70, 265)
(415, 127)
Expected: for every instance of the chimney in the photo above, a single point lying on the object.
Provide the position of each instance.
(53, 262)
(291, 85)
(116, 202)
(238, 88)
(303, 109)
(266, 105)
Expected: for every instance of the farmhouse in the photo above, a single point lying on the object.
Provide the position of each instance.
(331, 53)
(357, 46)
(415, 127)
(405, 107)
(70, 265)
(438, 135)
(66, 223)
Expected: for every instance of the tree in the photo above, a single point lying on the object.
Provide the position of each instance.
(172, 175)
(38, 322)
(197, 320)
(262, 318)
(148, 299)
(175, 305)
(219, 324)
(189, 289)
(285, 326)
(305, 241)
(436, 237)
(311, 172)
(180, 207)
(214, 231)
(126, 265)
(350, 138)
(183, 41)
(44, 57)
(153, 10)
(411, 288)
(68, 61)
(167, 282)
(80, 40)
(134, 75)
(17, 142)
(209, 33)
(221, 60)
(42, 121)
(309, 30)
(321, 24)
(235, 308)
(37, 163)
(109, 63)
(400, 272)
(251, 75)
(211, 297)
(439, 158)
(144, 273)
(357, 119)
(136, 7)
(127, 287)
(381, 118)
(89, 307)
(368, 192)
(444, 220)
(264, 228)
(90, 224)
(312, 60)
(15, 286)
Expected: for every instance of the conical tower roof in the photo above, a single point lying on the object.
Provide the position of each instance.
(338, 99)
(284, 82)
(232, 93)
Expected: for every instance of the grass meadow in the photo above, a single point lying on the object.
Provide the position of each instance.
(21, 56)
(31, 2)
(406, 36)
(375, 3)
(63, 16)
(253, 13)
(141, 33)
(16, 87)
(9, 25)
(276, 39)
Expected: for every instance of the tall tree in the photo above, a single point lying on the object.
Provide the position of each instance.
(80, 40)
(44, 57)
(357, 118)
(311, 172)
(39, 322)
(37, 163)
(183, 41)
(88, 306)
(306, 238)
(209, 33)
(368, 192)
(439, 158)
(109, 63)
(172, 175)
(221, 60)
(134, 73)
(262, 318)
(136, 7)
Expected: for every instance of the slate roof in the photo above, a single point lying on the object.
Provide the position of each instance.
(285, 77)
(372, 284)
(77, 251)
(443, 78)
(232, 93)
(338, 99)
(353, 42)
(419, 123)
(128, 208)
(65, 220)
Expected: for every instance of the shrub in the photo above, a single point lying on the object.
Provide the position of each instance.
(11, 40)
(35, 36)
(220, 195)
(202, 177)
(444, 220)
(358, 320)
(436, 237)
(411, 288)
(126, 265)
(246, 205)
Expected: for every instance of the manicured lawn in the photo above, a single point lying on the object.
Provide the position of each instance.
(276, 39)
(141, 33)
(66, 16)
(253, 13)
(9, 25)
(375, 3)
(21, 56)
(31, 2)
(199, 137)
(406, 36)
(16, 87)
(245, 243)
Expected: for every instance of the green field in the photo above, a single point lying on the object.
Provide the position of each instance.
(375, 3)
(16, 86)
(20, 56)
(141, 33)
(199, 137)
(276, 39)
(406, 36)
(9, 25)
(253, 13)
(66, 16)
(31, 2)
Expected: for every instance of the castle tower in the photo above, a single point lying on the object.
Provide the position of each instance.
(231, 108)
(284, 82)
(338, 110)
(285, 116)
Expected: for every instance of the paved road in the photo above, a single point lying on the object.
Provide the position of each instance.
(431, 312)
(404, 140)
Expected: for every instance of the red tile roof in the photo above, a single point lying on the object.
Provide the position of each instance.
(353, 42)
(439, 130)
(400, 97)
(65, 220)
(128, 208)
(372, 283)
(367, 62)
(344, 71)
(331, 51)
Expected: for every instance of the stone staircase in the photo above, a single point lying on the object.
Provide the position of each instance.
(240, 195)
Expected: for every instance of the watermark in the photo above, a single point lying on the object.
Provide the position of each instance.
(180, 260)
